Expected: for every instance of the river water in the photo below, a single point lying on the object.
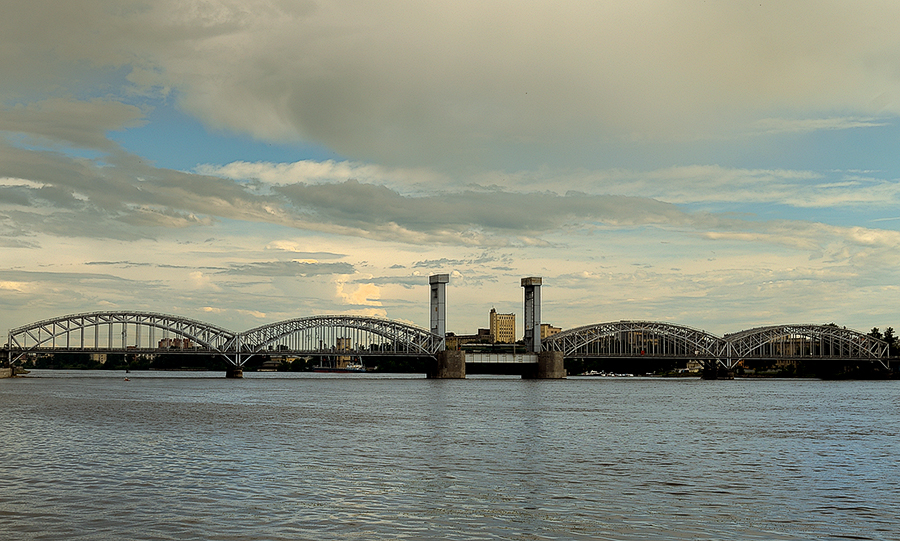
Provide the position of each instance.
(87, 455)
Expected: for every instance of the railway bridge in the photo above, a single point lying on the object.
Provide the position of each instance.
(138, 332)
(656, 340)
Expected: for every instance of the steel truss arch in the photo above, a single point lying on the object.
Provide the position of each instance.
(635, 338)
(359, 335)
(805, 341)
(67, 333)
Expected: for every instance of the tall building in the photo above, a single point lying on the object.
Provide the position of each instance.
(503, 327)
(343, 344)
(548, 330)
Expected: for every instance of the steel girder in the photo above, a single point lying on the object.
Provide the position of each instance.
(302, 335)
(804, 341)
(361, 335)
(638, 338)
(319, 334)
(47, 334)
(635, 338)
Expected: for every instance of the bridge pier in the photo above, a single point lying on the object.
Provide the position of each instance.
(234, 372)
(713, 370)
(448, 365)
(549, 366)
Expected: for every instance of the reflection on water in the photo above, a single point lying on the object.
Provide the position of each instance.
(189, 455)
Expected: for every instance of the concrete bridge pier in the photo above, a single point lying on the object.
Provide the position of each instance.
(549, 366)
(714, 370)
(234, 372)
(448, 365)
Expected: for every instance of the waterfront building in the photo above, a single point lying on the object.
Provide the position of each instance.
(453, 341)
(548, 330)
(502, 327)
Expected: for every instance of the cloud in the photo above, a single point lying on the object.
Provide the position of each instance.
(290, 268)
(632, 153)
(19, 287)
(199, 280)
(365, 294)
(693, 184)
(78, 123)
(297, 250)
(486, 218)
(470, 84)
(782, 125)
(328, 171)
(256, 314)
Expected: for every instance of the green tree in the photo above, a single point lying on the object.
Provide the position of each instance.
(891, 340)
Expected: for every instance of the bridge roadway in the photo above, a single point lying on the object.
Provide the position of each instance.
(342, 335)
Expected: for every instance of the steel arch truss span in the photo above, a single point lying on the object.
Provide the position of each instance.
(634, 339)
(119, 332)
(804, 341)
(340, 335)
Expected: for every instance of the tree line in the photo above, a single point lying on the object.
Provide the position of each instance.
(889, 337)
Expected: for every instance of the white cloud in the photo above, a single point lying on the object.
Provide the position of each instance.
(361, 295)
(199, 280)
(783, 125)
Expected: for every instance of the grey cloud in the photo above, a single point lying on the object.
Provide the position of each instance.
(376, 208)
(120, 263)
(81, 224)
(318, 255)
(79, 123)
(483, 259)
(59, 277)
(15, 241)
(466, 86)
(132, 264)
(404, 281)
(290, 268)
(15, 195)
(122, 197)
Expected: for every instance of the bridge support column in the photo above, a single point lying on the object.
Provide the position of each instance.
(234, 372)
(713, 370)
(448, 365)
(532, 287)
(439, 303)
(549, 366)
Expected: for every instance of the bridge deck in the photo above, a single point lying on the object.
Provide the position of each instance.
(502, 358)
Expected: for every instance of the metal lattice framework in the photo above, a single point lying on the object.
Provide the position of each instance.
(119, 331)
(777, 342)
(803, 341)
(341, 335)
(148, 332)
(635, 338)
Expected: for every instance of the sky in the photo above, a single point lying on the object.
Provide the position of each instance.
(719, 165)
